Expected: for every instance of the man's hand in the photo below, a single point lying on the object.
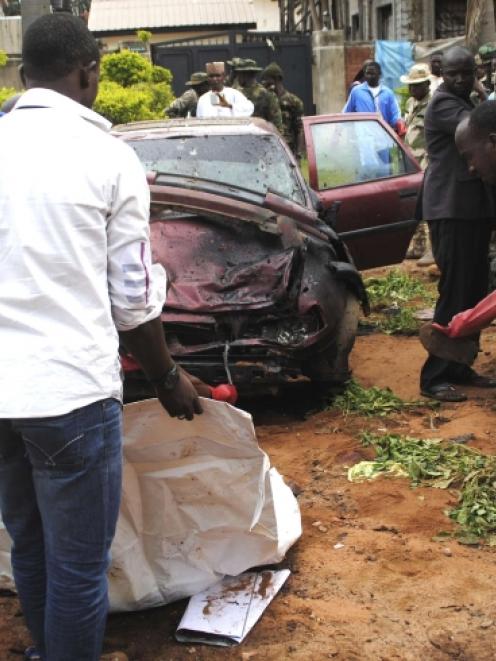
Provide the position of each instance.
(147, 344)
(222, 101)
(480, 89)
(182, 401)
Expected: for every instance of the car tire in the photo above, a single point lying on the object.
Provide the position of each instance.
(346, 337)
(334, 368)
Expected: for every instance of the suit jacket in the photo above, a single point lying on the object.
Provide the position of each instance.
(450, 190)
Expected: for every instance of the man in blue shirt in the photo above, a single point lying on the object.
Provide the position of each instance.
(371, 96)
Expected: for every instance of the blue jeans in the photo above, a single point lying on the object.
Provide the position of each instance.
(60, 486)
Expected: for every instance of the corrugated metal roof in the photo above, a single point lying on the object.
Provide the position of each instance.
(113, 15)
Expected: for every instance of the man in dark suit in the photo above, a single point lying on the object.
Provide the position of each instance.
(459, 209)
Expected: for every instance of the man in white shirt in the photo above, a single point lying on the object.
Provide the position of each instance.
(222, 101)
(75, 274)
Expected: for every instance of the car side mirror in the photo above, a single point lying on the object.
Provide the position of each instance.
(330, 215)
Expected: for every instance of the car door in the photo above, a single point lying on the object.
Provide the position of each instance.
(361, 169)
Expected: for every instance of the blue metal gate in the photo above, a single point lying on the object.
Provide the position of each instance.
(293, 52)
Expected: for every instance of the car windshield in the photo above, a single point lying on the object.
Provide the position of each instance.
(257, 163)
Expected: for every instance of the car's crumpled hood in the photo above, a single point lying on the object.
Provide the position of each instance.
(224, 265)
(194, 195)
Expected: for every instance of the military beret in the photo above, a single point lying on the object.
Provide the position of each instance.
(487, 51)
(273, 70)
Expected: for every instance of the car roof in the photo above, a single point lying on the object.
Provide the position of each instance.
(235, 126)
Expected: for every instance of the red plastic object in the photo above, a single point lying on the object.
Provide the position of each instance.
(471, 321)
(128, 363)
(225, 393)
(400, 128)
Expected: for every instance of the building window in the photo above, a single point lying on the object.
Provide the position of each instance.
(385, 22)
(355, 27)
(450, 18)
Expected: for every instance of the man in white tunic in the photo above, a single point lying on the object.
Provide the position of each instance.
(222, 101)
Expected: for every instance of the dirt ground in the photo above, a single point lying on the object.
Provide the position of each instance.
(373, 585)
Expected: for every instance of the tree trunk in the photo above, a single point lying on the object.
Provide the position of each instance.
(316, 19)
(480, 23)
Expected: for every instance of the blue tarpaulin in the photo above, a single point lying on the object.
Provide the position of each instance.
(395, 58)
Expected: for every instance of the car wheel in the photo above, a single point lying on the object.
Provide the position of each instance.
(346, 337)
(333, 368)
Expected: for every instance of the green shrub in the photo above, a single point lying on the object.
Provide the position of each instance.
(161, 75)
(3, 58)
(132, 89)
(122, 104)
(159, 96)
(125, 68)
(144, 36)
(6, 93)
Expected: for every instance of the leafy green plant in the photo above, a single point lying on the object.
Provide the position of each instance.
(132, 89)
(6, 93)
(394, 299)
(373, 401)
(161, 75)
(402, 322)
(395, 287)
(4, 58)
(122, 104)
(125, 68)
(144, 36)
(159, 96)
(440, 464)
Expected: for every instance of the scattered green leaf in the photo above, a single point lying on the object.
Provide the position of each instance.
(441, 464)
(396, 286)
(373, 401)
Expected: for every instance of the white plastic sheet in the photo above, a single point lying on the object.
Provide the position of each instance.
(200, 501)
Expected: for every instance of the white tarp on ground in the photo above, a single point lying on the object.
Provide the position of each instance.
(199, 501)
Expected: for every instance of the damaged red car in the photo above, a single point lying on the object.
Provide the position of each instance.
(262, 291)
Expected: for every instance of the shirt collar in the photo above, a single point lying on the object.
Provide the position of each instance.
(40, 96)
(378, 87)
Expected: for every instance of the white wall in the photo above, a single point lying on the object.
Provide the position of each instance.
(267, 15)
(11, 35)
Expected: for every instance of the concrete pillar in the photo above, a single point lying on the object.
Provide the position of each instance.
(329, 91)
(33, 9)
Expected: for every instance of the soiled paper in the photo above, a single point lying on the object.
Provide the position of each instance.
(200, 501)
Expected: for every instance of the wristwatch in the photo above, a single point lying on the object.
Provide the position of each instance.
(168, 380)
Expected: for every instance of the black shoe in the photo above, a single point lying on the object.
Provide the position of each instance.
(444, 392)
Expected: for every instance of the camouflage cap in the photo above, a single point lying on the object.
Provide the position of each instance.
(272, 70)
(247, 65)
(487, 51)
(236, 61)
(197, 78)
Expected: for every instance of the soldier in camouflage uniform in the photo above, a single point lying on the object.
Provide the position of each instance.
(185, 105)
(418, 81)
(487, 54)
(291, 108)
(265, 102)
(232, 78)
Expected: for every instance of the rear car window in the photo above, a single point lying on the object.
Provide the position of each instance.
(257, 163)
(351, 152)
